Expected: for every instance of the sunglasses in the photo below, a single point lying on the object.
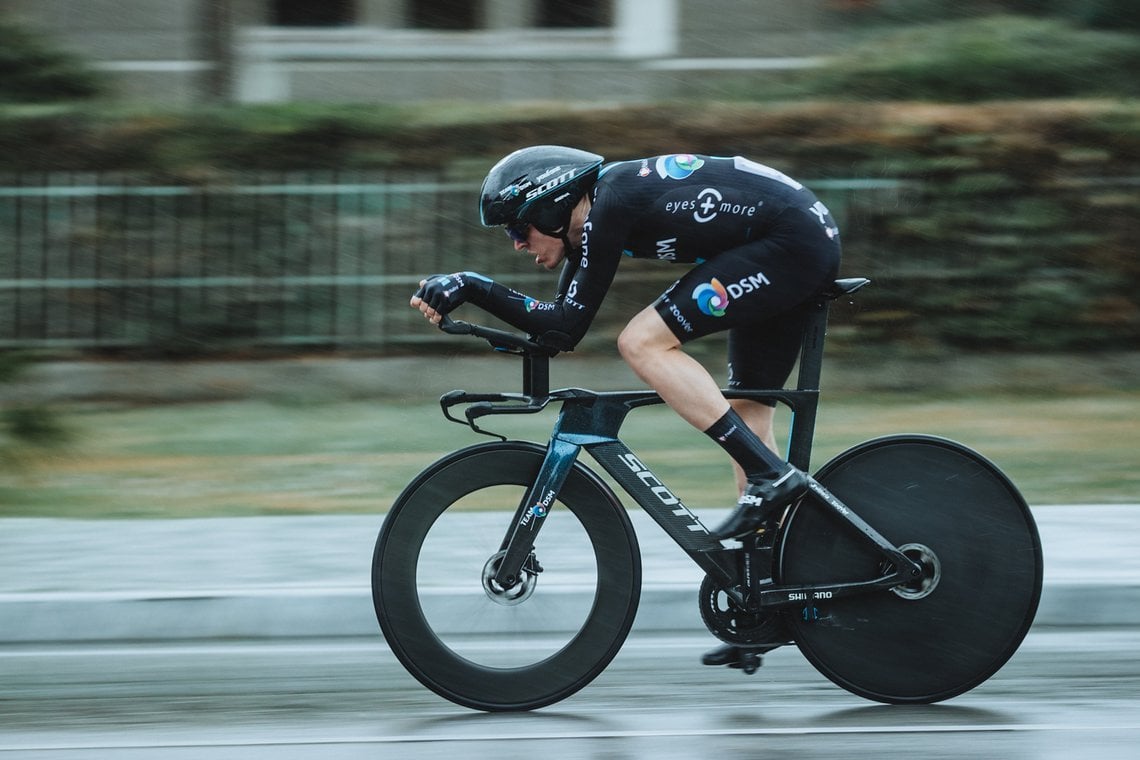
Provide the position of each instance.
(518, 231)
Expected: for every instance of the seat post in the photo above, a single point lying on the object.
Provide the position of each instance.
(806, 405)
(811, 350)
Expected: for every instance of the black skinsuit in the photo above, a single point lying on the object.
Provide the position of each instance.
(762, 245)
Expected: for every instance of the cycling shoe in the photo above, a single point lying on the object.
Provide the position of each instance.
(761, 502)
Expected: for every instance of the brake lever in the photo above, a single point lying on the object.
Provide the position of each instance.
(457, 397)
(474, 412)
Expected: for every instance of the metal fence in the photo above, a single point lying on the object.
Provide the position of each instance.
(116, 261)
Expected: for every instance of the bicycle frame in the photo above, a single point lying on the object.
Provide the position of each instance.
(592, 421)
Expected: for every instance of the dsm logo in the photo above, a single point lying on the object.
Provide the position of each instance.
(713, 298)
(678, 166)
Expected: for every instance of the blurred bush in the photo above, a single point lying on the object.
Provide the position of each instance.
(1014, 227)
(31, 71)
(989, 58)
(1100, 14)
(25, 428)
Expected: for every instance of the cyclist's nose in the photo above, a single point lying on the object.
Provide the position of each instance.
(519, 245)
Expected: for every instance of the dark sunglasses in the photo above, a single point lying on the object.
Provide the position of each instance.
(518, 231)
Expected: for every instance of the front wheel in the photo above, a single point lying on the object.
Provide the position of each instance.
(960, 518)
(474, 643)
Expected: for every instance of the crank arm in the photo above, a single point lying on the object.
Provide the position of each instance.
(790, 596)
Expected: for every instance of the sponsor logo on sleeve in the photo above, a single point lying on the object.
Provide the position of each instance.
(678, 166)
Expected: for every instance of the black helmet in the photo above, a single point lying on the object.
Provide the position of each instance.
(539, 185)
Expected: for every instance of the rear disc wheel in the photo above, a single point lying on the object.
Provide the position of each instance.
(956, 515)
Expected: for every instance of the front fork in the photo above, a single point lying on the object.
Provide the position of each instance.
(518, 544)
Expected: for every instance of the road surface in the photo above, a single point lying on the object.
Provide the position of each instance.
(1067, 693)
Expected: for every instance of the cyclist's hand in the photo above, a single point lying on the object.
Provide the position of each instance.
(441, 293)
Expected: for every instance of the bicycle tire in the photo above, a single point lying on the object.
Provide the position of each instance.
(429, 597)
(948, 638)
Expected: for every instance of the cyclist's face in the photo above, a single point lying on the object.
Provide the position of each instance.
(548, 251)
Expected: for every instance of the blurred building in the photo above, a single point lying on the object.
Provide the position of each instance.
(179, 52)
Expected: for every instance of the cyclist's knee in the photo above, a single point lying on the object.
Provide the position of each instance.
(631, 345)
(645, 335)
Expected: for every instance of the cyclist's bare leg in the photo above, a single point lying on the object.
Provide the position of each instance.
(654, 353)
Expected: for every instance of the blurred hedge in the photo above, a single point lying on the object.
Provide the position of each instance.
(989, 58)
(1097, 14)
(32, 71)
(1016, 227)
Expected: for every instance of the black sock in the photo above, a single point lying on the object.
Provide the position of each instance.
(757, 460)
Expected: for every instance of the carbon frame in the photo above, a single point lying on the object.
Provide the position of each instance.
(591, 421)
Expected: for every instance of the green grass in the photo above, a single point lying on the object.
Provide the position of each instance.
(258, 457)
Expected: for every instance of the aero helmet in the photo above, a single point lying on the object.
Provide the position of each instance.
(539, 185)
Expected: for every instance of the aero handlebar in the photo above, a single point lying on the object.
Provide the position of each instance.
(500, 340)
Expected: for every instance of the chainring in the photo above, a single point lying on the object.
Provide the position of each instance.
(734, 625)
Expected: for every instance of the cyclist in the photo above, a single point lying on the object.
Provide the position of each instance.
(760, 245)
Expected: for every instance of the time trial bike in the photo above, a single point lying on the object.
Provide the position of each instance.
(507, 575)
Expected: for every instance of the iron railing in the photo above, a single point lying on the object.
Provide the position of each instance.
(114, 261)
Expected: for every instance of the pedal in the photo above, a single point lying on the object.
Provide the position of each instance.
(746, 658)
(750, 661)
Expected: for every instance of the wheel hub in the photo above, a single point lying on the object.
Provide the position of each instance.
(508, 596)
(925, 584)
